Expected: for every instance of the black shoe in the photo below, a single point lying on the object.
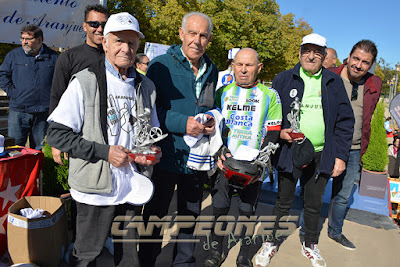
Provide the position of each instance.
(214, 259)
(301, 236)
(242, 261)
(342, 240)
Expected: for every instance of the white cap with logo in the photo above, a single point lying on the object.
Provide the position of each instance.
(2, 151)
(122, 22)
(315, 39)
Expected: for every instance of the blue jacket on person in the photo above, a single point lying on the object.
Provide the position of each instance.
(27, 79)
(338, 116)
(176, 101)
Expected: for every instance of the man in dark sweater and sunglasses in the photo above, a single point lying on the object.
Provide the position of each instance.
(78, 58)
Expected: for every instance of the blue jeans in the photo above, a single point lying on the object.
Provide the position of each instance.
(21, 125)
(342, 187)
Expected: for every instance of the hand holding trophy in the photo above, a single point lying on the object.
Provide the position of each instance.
(145, 137)
(294, 119)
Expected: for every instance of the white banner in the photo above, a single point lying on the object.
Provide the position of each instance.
(153, 50)
(60, 20)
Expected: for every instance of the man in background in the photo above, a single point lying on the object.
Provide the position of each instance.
(330, 58)
(26, 75)
(142, 63)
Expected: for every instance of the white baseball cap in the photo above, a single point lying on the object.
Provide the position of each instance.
(313, 38)
(122, 22)
(2, 152)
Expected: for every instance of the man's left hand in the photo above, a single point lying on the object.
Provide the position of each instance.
(209, 128)
(339, 167)
(142, 160)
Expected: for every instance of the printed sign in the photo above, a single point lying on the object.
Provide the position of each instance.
(153, 50)
(60, 20)
(394, 191)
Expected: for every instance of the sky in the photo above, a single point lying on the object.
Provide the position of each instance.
(345, 22)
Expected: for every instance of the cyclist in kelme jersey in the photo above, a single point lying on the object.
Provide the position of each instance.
(253, 116)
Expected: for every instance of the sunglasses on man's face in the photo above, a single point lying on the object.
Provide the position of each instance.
(95, 24)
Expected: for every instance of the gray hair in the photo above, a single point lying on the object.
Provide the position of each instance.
(188, 15)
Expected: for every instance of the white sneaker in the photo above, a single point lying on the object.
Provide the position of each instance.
(313, 254)
(267, 251)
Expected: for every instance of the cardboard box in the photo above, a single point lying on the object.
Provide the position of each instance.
(40, 241)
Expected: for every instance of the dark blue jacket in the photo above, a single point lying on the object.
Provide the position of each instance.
(338, 117)
(176, 101)
(27, 79)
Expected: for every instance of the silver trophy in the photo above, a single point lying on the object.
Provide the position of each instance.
(145, 137)
(294, 119)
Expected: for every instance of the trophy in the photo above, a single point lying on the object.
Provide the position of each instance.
(145, 137)
(293, 118)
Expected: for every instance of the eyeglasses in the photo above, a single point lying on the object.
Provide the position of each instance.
(26, 39)
(95, 24)
(319, 53)
(145, 63)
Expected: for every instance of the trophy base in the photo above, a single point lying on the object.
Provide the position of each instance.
(296, 135)
(152, 156)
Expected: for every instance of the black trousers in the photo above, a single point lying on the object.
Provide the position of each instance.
(93, 224)
(189, 198)
(314, 187)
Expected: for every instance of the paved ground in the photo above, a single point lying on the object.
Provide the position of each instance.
(377, 245)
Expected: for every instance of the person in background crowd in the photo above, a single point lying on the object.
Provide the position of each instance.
(394, 159)
(142, 63)
(226, 76)
(363, 90)
(387, 125)
(95, 123)
(330, 58)
(78, 58)
(185, 79)
(26, 75)
(264, 124)
(326, 120)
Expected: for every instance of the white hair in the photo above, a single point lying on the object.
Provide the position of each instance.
(188, 15)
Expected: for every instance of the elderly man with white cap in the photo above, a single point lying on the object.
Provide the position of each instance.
(326, 120)
(95, 123)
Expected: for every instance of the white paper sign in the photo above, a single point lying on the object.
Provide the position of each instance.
(153, 50)
(60, 20)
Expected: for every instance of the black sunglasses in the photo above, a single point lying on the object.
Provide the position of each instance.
(354, 91)
(96, 24)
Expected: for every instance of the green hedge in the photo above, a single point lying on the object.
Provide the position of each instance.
(55, 176)
(376, 158)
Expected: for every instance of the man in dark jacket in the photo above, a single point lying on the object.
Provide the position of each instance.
(185, 79)
(326, 120)
(25, 76)
(363, 90)
(78, 58)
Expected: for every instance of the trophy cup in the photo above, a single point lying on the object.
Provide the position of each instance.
(293, 118)
(145, 137)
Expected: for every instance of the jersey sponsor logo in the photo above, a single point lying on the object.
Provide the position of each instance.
(241, 107)
(311, 106)
(241, 134)
(227, 79)
(231, 98)
(293, 93)
(237, 120)
(252, 100)
(274, 122)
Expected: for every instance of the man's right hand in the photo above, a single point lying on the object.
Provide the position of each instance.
(57, 156)
(118, 157)
(193, 127)
(284, 135)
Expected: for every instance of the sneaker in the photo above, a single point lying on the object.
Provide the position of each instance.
(214, 259)
(313, 254)
(267, 251)
(242, 261)
(342, 240)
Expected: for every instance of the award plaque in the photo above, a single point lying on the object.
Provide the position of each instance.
(294, 119)
(145, 137)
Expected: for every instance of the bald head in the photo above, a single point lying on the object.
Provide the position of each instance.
(330, 58)
(246, 66)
